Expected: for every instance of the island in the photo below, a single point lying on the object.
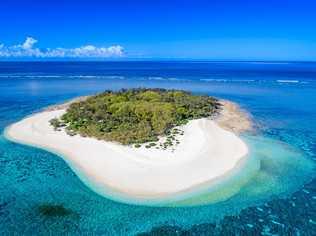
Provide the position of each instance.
(142, 146)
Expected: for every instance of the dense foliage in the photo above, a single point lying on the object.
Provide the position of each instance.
(134, 115)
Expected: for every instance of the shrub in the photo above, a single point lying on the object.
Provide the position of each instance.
(56, 123)
(134, 116)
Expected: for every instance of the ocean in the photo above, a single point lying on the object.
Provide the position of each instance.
(278, 194)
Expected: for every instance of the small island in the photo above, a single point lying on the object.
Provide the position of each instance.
(143, 146)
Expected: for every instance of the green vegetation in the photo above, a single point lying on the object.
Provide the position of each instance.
(135, 116)
(57, 124)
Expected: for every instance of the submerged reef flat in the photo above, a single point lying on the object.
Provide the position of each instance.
(233, 118)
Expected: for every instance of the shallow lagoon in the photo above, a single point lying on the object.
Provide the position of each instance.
(275, 201)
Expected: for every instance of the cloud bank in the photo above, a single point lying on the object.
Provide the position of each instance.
(28, 49)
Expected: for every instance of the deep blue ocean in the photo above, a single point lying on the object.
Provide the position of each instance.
(279, 200)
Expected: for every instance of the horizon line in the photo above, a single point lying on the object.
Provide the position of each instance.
(158, 60)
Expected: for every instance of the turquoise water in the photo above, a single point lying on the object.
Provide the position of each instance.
(277, 194)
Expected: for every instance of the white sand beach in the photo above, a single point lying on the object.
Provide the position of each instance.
(206, 152)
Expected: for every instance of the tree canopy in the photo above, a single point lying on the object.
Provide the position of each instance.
(134, 115)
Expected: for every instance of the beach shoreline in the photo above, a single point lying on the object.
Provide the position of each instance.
(127, 174)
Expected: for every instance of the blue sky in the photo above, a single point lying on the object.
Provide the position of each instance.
(215, 30)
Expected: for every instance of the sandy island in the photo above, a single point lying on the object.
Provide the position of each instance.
(208, 150)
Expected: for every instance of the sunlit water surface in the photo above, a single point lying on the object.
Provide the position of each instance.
(273, 194)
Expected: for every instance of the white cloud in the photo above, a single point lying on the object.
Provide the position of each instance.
(28, 49)
(92, 51)
(29, 42)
